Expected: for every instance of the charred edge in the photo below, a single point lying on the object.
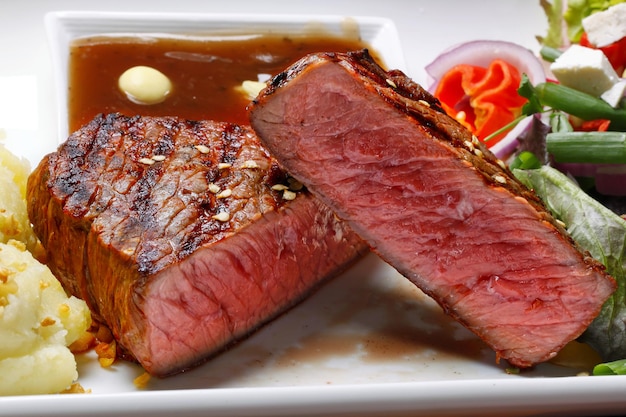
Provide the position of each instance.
(395, 78)
(275, 175)
(279, 79)
(283, 77)
(142, 191)
(70, 183)
(407, 96)
(165, 144)
(231, 137)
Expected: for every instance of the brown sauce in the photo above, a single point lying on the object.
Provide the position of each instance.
(205, 73)
(401, 323)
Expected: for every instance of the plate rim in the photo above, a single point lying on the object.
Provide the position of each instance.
(487, 396)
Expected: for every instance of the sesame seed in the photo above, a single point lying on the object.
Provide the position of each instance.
(203, 149)
(227, 192)
(500, 179)
(469, 145)
(279, 187)
(561, 223)
(475, 140)
(249, 164)
(158, 158)
(288, 195)
(214, 188)
(146, 161)
(391, 83)
(424, 103)
(501, 163)
(224, 165)
(223, 216)
(478, 152)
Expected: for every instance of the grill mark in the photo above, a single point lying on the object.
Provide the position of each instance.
(116, 146)
(137, 279)
(230, 137)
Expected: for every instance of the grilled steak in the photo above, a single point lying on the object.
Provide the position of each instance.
(432, 201)
(178, 234)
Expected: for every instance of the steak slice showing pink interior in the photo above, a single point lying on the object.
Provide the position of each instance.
(432, 201)
(180, 235)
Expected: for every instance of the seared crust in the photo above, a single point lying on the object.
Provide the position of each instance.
(183, 237)
(212, 169)
(218, 180)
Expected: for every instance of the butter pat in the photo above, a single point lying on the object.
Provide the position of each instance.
(585, 69)
(604, 28)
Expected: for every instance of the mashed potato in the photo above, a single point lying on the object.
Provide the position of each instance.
(14, 223)
(38, 321)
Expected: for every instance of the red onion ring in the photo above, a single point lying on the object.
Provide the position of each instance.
(482, 53)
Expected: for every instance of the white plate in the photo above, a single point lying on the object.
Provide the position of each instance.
(64, 27)
(368, 343)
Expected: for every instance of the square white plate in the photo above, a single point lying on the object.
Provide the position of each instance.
(64, 27)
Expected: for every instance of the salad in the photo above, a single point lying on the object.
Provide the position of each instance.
(559, 122)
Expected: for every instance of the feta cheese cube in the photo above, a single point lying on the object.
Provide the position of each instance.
(605, 27)
(584, 69)
(614, 95)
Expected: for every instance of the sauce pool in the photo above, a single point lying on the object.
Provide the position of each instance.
(206, 73)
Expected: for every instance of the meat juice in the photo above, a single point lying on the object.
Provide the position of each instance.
(205, 72)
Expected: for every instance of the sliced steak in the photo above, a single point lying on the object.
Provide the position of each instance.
(177, 236)
(432, 201)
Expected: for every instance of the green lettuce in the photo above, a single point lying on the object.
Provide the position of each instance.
(600, 231)
(554, 14)
(569, 21)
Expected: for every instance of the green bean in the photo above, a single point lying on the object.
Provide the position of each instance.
(549, 54)
(579, 104)
(588, 147)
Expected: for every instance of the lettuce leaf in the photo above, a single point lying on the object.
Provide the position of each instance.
(576, 11)
(569, 21)
(554, 14)
(601, 232)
